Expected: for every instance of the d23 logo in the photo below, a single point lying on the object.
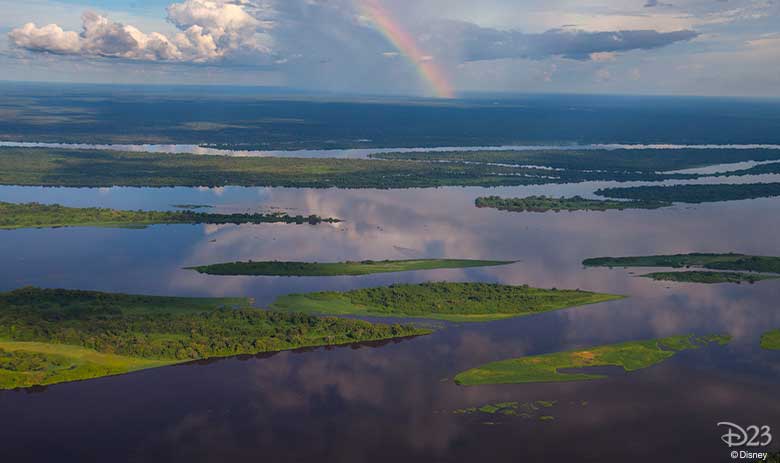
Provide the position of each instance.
(751, 436)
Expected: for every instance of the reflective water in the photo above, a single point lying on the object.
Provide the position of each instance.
(394, 401)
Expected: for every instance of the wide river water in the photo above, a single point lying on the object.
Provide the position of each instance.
(394, 401)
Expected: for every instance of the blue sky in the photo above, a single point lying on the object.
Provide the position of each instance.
(692, 47)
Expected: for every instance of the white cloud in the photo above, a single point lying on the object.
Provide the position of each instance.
(208, 30)
(47, 38)
(233, 25)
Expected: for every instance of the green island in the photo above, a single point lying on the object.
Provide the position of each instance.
(366, 267)
(457, 302)
(729, 261)
(710, 277)
(519, 409)
(96, 168)
(771, 340)
(693, 194)
(35, 215)
(50, 336)
(617, 160)
(631, 356)
(575, 203)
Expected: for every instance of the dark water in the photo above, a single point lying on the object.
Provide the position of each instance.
(264, 121)
(394, 401)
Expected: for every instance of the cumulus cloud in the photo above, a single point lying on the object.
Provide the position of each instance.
(47, 38)
(208, 30)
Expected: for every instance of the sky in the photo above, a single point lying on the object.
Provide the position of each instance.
(434, 48)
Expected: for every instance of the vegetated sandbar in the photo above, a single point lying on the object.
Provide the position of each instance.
(35, 215)
(729, 261)
(575, 203)
(95, 168)
(459, 302)
(366, 267)
(705, 277)
(617, 160)
(694, 193)
(631, 356)
(771, 340)
(51, 336)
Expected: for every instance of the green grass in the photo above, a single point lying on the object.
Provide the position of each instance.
(34, 215)
(576, 203)
(51, 336)
(771, 340)
(631, 356)
(710, 277)
(729, 261)
(40, 364)
(366, 267)
(459, 302)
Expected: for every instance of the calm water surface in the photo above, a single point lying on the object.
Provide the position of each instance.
(393, 401)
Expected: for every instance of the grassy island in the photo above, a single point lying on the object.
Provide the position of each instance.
(460, 302)
(35, 215)
(50, 336)
(710, 277)
(95, 168)
(631, 356)
(730, 261)
(366, 267)
(617, 160)
(771, 340)
(694, 193)
(575, 203)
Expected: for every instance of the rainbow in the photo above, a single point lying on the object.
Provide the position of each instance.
(406, 44)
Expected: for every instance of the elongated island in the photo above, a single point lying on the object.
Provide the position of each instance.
(574, 203)
(365, 267)
(458, 302)
(35, 215)
(740, 268)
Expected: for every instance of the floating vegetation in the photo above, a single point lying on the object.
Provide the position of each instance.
(518, 409)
